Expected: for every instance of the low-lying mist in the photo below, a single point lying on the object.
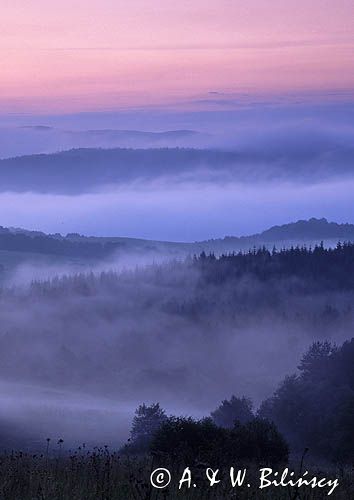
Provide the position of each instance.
(155, 211)
(79, 353)
(315, 125)
(89, 341)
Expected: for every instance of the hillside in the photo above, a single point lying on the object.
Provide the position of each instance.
(83, 170)
(36, 139)
(235, 323)
(94, 247)
(86, 170)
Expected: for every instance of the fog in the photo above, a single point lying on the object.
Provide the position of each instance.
(182, 212)
(29, 268)
(293, 159)
(311, 123)
(26, 140)
(79, 354)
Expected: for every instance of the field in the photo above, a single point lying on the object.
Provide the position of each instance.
(103, 475)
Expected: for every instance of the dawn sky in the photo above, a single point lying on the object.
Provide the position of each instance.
(103, 54)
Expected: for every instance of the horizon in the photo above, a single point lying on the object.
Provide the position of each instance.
(236, 236)
(177, 228)
(111, 54)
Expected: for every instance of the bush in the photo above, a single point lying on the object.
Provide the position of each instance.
(189, 441)
(260, 441)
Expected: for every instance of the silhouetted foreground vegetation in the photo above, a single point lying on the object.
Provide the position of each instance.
(194, 302)
(316, 407)
(314, 410)
(103, 475)
(188, 441)
(164, 331)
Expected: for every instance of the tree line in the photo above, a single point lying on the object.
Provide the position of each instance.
(312, 410)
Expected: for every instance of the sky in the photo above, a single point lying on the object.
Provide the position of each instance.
(182, 213)
(68, 56)
(271, 78)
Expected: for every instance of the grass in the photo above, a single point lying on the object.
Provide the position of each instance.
(100, 474)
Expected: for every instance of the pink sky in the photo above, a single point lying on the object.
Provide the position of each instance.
(72, 55)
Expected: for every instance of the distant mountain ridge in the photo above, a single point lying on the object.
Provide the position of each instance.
(90, 169)
(305, 230)
(44, 139)
(76, 245)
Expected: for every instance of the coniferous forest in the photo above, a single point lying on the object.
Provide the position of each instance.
(176, 250)
(105, 336)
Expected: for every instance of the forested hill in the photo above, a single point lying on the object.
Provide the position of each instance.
(76, 245)
(82, 170)
(320, 268)
(87, 169)
(303, 230)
